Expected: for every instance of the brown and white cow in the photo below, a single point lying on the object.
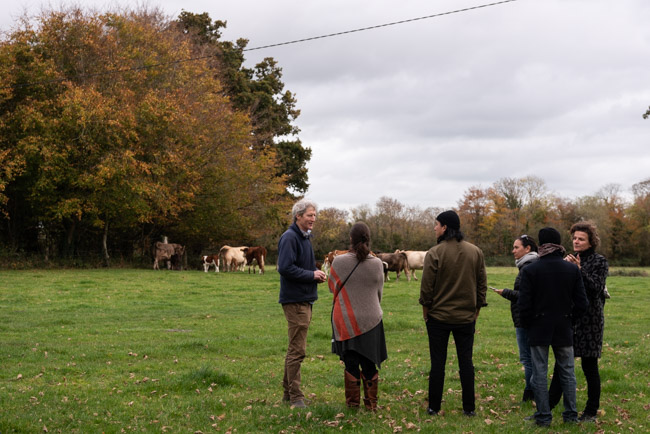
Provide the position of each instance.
(169, 253)
(329, 258)
(257, 254)
(415, 259)
(209, 260)
(232, 258)
(395, 262)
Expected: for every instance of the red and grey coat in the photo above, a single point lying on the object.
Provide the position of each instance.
(356, 307)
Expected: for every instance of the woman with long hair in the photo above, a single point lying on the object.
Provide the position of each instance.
(524, 250)
(357, 280)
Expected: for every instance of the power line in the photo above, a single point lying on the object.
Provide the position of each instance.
(193, 59)
(363, 29)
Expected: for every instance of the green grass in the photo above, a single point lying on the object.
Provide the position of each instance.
(138, 350)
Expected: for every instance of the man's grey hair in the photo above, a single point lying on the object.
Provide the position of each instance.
(300, 207)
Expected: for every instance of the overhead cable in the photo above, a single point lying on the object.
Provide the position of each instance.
(192, 59)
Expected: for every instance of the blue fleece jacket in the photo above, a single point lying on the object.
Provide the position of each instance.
(296, 265)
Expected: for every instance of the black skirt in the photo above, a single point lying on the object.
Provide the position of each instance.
(371, 345)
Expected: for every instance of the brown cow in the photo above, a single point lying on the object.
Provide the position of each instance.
(169, 253)
(395, 262)
(329, 258)
(257, 254)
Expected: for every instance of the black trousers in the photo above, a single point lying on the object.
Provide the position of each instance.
(592, 375)
(354, 360)
(438, 340)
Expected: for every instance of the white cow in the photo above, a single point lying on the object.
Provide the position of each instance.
(415, 259)
(232, 258)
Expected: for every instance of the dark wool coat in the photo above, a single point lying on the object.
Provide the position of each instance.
(551, 295)
(588, 336)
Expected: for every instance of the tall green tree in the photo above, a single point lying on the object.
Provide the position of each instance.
(257, 91)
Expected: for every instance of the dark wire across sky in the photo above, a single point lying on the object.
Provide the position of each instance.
(297, 41)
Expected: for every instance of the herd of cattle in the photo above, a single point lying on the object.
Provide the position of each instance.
(237, 258)
(228, 258)
(402, 260)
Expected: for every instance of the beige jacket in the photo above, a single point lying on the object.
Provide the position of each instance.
(454, 282)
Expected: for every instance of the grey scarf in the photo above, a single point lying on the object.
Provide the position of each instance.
(528, 258)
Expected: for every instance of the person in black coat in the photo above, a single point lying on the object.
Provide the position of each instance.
(551, 295)
(588, 330)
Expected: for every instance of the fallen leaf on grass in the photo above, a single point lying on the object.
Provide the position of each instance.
(340, 416)
(19, 377)
(488, 421)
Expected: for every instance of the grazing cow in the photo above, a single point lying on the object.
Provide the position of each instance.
(232, 258)
(327, 260)
(416, 260)
(395, 262)
(171, 253)
(209, 260)
(257, 254)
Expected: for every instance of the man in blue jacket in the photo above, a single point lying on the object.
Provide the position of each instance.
(299, 279)
(551, 295)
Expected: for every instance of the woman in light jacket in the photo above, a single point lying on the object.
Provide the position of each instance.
(357, 280)
(524, 250)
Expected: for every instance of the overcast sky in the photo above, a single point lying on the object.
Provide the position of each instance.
(422, 111)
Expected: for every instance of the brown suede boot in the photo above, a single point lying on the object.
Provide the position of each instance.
(370, 388)
(352, 390)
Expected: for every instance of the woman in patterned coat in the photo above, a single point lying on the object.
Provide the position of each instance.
(588, 329)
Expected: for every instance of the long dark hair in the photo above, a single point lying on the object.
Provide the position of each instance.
(451, 233)
(360, 240)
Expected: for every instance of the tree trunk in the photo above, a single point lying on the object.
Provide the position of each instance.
(107, 262)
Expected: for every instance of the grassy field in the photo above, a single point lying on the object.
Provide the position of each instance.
(138, 350)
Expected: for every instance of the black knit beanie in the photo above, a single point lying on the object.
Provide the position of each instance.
(449, 219)
(549, 235)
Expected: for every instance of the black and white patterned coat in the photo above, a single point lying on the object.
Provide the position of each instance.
(588, 329)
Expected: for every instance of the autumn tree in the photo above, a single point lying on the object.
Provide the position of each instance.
(105, 129)
(640, 222)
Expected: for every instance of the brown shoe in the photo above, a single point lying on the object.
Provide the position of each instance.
(370, 388)
(352, 390)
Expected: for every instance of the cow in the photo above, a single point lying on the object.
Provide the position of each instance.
(395, 262)
(169, 253)
(232, 258)
(209, 260)
(257, 254)
(327, 260)
(416, 260)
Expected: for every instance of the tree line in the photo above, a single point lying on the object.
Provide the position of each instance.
(118, 128)
(493, 217)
